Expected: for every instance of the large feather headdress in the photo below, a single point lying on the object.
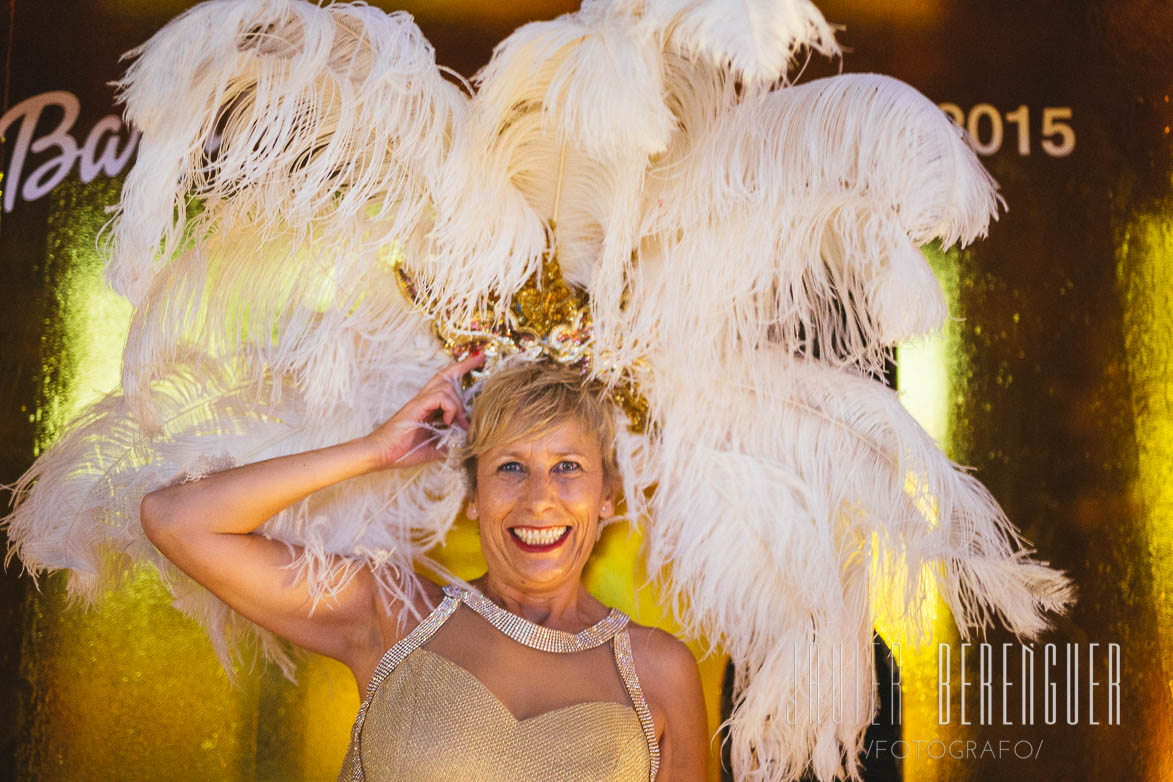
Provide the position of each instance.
(749, 250)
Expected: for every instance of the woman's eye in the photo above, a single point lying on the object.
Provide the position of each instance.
(566, 466)
(510, 467)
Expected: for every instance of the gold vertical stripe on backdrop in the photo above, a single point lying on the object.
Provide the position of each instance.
(929, 378)
(129, 689)
(1145, 277)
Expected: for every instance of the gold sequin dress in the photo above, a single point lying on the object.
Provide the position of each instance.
(428, 719)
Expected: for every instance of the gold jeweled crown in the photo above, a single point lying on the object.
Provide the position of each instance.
(547, 318)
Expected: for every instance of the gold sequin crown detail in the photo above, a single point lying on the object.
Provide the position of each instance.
(547, 318)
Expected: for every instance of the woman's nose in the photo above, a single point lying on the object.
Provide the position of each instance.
(539, 490)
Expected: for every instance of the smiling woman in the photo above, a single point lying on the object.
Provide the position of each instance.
(520, 674)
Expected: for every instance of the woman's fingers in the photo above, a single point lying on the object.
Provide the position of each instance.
(462, 368)
(448, 379)
(443, 402)
(452, 374)
(459, 415)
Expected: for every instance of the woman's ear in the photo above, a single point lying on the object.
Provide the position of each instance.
(607, 508)
(610, 488)
(470, 508)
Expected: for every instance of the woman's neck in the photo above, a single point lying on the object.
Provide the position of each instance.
(568, 607)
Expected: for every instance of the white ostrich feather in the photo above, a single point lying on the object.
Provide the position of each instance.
(795, 215)
(577, 101)
(278, 114)
(757, 40)
(596, 78)
(319, 315)
(776, 479)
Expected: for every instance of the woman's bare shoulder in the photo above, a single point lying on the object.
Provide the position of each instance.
(663, 662)
(671, 683)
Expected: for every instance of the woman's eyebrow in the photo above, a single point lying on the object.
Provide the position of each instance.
(555, 452)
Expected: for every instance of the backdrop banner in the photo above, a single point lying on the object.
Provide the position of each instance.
(1053, 381)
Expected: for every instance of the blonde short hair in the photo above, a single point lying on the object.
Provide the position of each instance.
(530, 398)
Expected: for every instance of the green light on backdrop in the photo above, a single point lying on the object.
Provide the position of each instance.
(923, 366)
(82, 344)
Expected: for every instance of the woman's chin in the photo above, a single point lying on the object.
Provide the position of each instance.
(540, 575)
(539, 563)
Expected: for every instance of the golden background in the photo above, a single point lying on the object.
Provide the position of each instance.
(1055, 382)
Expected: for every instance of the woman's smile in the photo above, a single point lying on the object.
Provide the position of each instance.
(539, 539)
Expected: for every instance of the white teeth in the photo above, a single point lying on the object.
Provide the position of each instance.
(540, 536)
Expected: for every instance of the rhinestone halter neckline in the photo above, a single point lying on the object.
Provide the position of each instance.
(533, 635)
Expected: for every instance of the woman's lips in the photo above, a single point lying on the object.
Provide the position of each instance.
(536, 540)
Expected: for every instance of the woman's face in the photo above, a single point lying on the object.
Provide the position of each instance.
(539, 501)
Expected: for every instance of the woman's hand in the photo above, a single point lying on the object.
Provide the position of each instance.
(410, 437)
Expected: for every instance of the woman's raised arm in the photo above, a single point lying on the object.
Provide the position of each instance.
(206, 527)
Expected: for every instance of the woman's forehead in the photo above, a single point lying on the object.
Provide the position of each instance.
(568, 435)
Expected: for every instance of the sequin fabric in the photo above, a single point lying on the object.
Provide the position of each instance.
(425, 717)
